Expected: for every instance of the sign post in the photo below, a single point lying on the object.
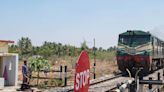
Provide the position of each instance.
(82, 73)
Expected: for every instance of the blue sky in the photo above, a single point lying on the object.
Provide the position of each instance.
(73, 21)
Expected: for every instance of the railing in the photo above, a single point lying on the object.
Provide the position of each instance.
(138, 84)
(60, 77)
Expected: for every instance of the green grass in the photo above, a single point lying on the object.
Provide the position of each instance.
(104, 55)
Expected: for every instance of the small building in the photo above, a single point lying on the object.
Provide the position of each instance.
(8, 65)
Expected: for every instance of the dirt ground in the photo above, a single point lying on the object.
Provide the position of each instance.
(102, 68)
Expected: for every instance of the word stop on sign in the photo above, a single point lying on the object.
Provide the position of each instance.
(82, 74)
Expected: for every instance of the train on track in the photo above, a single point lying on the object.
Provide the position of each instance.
(139, 49)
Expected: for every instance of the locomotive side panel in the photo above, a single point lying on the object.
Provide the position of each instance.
(158, 53)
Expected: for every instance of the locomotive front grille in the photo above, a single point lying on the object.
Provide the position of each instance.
(132, 51)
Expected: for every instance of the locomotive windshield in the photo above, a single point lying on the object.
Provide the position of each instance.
(134, 40)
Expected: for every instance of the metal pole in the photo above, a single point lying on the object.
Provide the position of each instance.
(158, 75)
(158, 79)
(163, 73)
(130, 75)
(150, 85)
(141, 86)
(60, 73)
(65, 80)
(155, 82)
(137, 80)
(94, 74)
(132, 87)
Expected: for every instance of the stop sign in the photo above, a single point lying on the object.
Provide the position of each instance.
(82, 76)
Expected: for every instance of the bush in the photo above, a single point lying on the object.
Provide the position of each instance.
(55, 82)
(42, 86)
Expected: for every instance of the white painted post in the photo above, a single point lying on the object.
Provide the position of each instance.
(16, 69)
(1, 83)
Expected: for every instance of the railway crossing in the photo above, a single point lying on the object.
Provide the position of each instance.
(111, 83)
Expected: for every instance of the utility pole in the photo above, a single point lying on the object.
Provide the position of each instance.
(94, 52)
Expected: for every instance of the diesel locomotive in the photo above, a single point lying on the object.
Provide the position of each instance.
(139, 49)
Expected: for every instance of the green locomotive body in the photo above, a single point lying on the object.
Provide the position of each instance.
(139, 49)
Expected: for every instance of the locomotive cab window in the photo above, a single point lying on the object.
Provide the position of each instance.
(134, 40)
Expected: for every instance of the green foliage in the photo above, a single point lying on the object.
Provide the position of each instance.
(111, 49)
(42, 86)
(52, 51)
(25, 45)
(38, 64)
(84, 46)
(106, 56)
(54, 82)
(103, 56)
(50, 83)
(13, 48)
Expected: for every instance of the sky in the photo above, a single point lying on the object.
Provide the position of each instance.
(73, 21)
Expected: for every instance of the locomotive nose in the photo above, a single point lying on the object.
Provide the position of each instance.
(130, 63)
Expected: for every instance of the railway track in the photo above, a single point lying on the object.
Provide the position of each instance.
(100, 81)
(106, 83)
(111, 84)
(145, 87)
(94, 84)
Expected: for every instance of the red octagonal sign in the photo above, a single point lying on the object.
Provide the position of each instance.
(82, 78)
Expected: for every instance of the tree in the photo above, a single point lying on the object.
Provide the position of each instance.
(100, 49)
(46, 50)
(25, 46)
(36, 64)
(13, 49)
(84, 46)
(59, 50)
(112, 49)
